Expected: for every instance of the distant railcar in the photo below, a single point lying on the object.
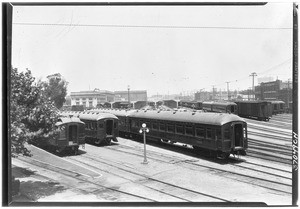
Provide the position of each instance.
(122, 105)
(225, 107)
(222, 134)
(278, 107)
(151, 104)
(170, 103)
(100, 128)
(159, 103)
(195, 105)
(261, 110)
(70, 135)
(77, 108)
(139, 104)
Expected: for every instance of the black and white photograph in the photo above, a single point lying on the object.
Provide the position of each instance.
(151, 104)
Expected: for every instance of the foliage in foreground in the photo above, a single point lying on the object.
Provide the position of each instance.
(32, 112)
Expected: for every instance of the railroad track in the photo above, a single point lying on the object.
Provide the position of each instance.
(266, 129)
(271, 136)
(256, 180)
(82, 178)
(157, 185)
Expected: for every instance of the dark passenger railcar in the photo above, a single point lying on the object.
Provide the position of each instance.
(100, 128)
(222, 134)
(70, 135)
(223, 106)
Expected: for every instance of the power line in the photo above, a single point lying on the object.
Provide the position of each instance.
(155, 26)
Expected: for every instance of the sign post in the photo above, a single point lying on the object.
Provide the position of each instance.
(144, 129)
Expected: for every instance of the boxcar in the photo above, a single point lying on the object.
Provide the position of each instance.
(278, 107)
(225, 107)
(70, 136)
(222, 134)
(261, 110)
(100, 128)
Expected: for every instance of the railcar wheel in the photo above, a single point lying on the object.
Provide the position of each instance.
(108, 141)
(223, 156)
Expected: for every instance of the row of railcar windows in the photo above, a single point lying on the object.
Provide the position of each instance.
(189, 130)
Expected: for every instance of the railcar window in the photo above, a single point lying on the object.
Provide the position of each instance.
(189, 130)
(209, 133)
(170, 128)
(162, 127)
(155, 126)
(227, 132)
(200, 132)
(100, 125)
(115, 124)
(179, 129)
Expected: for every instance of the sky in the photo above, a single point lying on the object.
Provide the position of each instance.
(161, 49)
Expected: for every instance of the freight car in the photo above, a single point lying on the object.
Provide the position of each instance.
(277, 107)
(261, 110)
(225, 107)
(100, 128)
(195, 105)
(222, 134)
(70, 135)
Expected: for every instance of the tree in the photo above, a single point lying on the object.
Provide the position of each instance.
(56, 89)
(32, 113)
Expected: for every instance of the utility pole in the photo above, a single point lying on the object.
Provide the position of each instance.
(128, 88)
(213, 96)
(253, 75)
(228, 89)
(288, 94)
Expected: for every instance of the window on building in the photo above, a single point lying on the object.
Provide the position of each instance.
(209, 133)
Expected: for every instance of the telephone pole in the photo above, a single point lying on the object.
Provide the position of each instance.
(253, 75)
(213, 96)
(228, 89)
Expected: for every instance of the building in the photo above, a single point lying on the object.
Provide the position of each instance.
(274, 90)
(135, 95)
(90, 99)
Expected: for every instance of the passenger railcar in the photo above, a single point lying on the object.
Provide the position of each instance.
(123, 120)
(70, 135)
(225, 107)
(278, 107)
(222, 134)
(100, 128)
(261, 110)
(195, 105)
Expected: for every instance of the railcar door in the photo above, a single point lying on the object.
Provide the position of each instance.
(109, 127)
(73, 134)
(238, 136)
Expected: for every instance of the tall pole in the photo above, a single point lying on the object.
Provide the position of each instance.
(143, 130)
(228, 90)
(213, 97)
(253, 75)
(128, 88)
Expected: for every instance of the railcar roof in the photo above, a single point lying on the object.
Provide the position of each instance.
(277, 102)
(65, 120)
(117, 112)
(219, 103)
(96, 116)
(188, 117)
(257, 101)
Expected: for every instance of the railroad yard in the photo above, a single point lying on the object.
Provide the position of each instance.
(174, 173)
